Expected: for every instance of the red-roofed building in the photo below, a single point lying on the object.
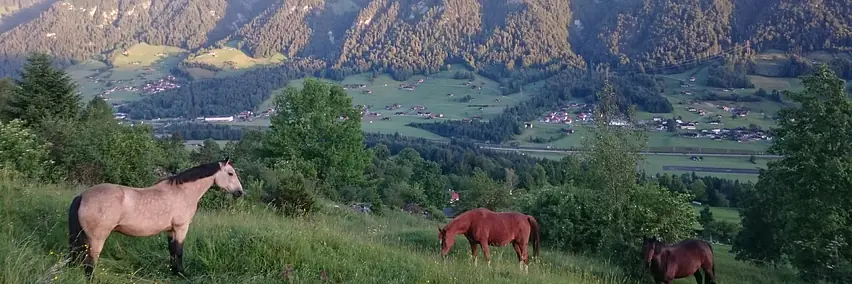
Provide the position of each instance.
(454, 196)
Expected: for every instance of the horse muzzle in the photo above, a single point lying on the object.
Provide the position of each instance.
(238, 193)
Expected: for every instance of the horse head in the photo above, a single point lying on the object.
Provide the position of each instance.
(227, 179)
(650, 248)
(446, 242)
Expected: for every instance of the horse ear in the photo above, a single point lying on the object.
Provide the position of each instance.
(227, 161)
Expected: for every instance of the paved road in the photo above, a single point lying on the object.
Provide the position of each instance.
(711, 170)
(544, 150)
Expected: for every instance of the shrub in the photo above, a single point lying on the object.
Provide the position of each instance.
(288, 192)
(21, 150)
(436, 214)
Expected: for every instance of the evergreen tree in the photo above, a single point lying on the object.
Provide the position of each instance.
(44, 93)
(7, 90)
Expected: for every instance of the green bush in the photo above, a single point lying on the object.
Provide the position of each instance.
(436, 214)
(288, 192)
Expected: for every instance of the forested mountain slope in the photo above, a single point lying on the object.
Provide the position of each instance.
(413, 36)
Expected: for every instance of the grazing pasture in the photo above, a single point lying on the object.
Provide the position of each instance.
(246, 243)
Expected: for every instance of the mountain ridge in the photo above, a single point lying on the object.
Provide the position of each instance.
(416, 36)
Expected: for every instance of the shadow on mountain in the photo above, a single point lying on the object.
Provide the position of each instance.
(22, 16)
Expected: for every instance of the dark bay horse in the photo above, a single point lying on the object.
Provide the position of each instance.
(168, 205)
(486, 228)
(678, 261)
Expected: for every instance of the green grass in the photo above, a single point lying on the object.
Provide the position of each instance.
(249, 244)
(253, 245)
(722, 214)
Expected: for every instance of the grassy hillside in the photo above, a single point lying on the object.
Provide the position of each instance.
(249, 244)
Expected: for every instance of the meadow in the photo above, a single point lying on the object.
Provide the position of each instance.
(8, 9)
(230, 60)
(247, 243)
(143, 63)
(722, 214)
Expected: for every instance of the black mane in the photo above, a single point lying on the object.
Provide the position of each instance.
(195, 173)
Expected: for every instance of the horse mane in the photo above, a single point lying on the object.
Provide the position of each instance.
(194, 173)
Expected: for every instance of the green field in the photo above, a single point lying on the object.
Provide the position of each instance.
(142, 63)
(249, 244)
(653, 164)
(231, 60)
(722, 214)
(433, 93)
(5, 10)
(771, 62)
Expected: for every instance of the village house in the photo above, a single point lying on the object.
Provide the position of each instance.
(688, 126)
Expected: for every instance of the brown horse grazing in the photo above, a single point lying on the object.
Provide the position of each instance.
(168, 205)
(678, 261)
(486, 228)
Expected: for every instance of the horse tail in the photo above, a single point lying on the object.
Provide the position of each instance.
(534, 234)
(77, 238)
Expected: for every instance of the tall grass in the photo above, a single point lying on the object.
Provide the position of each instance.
(250, 244)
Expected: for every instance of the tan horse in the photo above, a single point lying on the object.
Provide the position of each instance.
(168, 205)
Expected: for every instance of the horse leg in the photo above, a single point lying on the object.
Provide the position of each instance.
(486, 252)
(709, 274)
(520, 255)
(473, 252)
(176, 238)
(96, 245)
(699, 277)
(526, 255)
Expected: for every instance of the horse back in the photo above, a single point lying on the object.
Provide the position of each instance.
(501, 227)
(686, 257)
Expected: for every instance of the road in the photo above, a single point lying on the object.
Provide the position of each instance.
(560, 151)
(711, 170)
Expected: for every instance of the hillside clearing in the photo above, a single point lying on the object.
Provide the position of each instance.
(231, 60)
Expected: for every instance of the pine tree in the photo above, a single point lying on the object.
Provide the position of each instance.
(43, 93)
